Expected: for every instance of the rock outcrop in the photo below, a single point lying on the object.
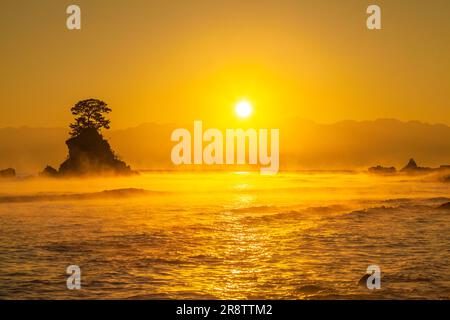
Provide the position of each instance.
(8, 173)
(412, 167)
(49, 172)
(91, 154)
(383, 170)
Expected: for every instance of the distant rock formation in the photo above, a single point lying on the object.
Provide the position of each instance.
(8, 173)
(90, 153)
(383, 170)
(49, 172)
(412, 167)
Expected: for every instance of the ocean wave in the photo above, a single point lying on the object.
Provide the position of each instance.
(400, 201)
(284, 213)
(445, 206)
(106, 194)
(404, 206)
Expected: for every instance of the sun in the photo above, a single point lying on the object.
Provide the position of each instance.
(243, 109)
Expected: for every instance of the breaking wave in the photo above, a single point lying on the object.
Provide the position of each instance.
(106, 194)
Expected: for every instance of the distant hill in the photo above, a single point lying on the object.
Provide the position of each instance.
(304, 145)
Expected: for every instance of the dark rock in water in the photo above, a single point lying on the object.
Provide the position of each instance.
(445, 206)
(383, 170)
(49, 172)
(90, 153)
(412, 167)
(8, 173)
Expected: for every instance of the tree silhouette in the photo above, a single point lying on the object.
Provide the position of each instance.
(89, 113)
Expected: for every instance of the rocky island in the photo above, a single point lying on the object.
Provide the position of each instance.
(8, 173)
(410, 168)
(89, 152)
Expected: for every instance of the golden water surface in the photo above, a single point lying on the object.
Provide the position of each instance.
(225, 235)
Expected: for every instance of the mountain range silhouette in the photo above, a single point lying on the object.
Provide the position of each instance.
(303, 145)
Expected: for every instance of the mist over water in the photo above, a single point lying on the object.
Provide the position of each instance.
(225, 235)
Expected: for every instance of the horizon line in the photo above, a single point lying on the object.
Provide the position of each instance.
(293, 118)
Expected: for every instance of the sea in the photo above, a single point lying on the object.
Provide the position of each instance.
(225, 235)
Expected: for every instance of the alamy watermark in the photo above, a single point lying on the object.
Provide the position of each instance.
(74, 280)
(374, 279)
(73, 21)
(374, 20)
(190, 149)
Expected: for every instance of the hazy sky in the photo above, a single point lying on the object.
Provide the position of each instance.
(176, 60)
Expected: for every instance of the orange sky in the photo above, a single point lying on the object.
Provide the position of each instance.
(176, 61)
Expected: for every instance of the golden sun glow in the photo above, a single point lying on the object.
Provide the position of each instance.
(243, 109)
